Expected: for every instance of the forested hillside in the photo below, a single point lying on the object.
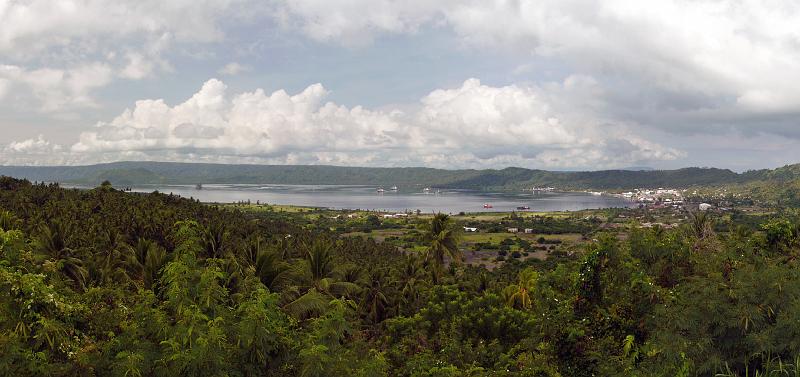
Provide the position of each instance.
(130, 173)
(107, 283)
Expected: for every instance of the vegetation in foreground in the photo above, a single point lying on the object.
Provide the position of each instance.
(102, 282)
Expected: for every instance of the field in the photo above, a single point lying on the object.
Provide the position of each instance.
(492, 245)
(562, 233)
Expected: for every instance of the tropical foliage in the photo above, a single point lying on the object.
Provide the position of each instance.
(103, 282)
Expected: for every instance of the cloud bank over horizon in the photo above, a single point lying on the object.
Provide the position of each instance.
(472, 125)
(455, 84)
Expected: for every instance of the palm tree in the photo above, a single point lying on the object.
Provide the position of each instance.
(410, 280)
(8, 221)
(51, 244)
(442, 238)
(108, 265)
(352, 273)
(266, 262)
(374, 300)
(253, 245)
(270, 269)
(315, 283)
(319, 264)
(483, 281)
(519, 295)
(215, 238)
(145, 261)
(702, 225)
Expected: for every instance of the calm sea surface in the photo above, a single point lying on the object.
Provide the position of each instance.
(367, 198)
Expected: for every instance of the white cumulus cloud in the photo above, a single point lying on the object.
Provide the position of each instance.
(34, 151)
(470, 125)
(33, 146)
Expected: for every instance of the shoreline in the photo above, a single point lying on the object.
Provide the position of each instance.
(302, 208)
(334, 198)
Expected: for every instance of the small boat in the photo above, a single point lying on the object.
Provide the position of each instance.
(394, 188)
(198, 187)
(522, 208)
(487, 205)
(381, 190)
(426, 189)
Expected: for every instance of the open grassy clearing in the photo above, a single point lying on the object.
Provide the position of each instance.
(486, 237)
(491, 246)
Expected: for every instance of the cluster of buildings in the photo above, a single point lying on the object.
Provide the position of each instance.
(661, 197)
(662, 225)
(395, 216)
(516, 230)
(509, 230)
(349, 216)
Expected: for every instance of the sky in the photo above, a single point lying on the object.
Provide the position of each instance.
(546, 84)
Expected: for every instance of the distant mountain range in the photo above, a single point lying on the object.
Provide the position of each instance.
(130, 173)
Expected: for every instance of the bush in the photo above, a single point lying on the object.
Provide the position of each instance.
(545, 241)
(516, 254)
